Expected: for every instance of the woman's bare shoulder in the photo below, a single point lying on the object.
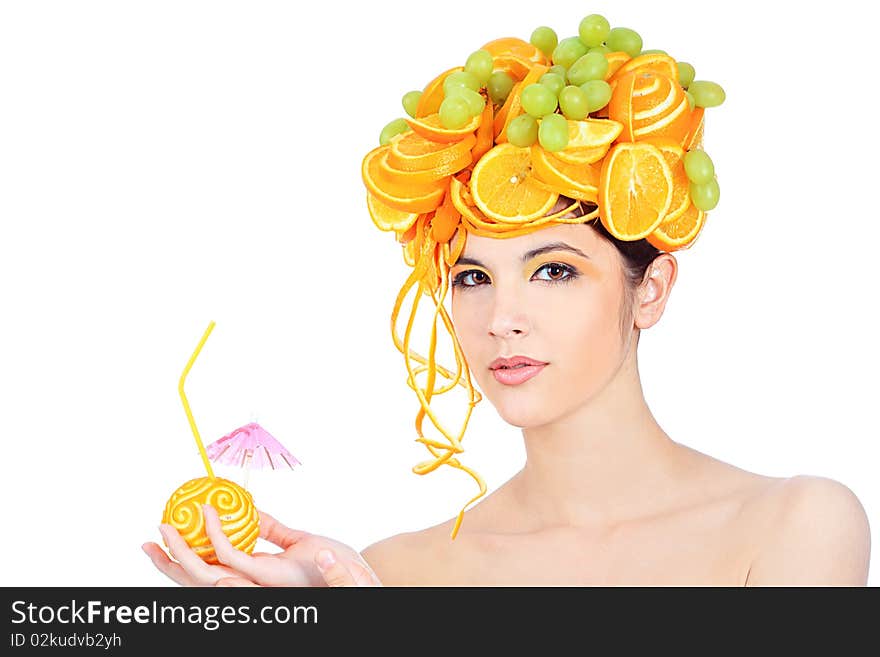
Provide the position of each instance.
(410, 558)
(814, 532)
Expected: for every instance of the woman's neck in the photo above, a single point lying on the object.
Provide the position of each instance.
(604, 463)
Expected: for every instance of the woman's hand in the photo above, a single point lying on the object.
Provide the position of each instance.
(302, 562)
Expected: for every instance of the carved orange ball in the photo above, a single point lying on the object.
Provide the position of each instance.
(239, 518)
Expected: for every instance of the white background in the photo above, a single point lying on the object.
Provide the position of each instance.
(165, 164)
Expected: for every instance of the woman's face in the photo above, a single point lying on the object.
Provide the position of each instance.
(554, 295)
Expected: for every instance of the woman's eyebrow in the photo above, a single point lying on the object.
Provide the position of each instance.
(528, 255)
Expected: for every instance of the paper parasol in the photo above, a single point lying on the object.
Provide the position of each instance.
(251, 446)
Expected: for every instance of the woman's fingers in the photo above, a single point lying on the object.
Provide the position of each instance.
(264, 570)
(234, 581)
(337, 573)
(363, 576)
(169, 568)
(275, 532)
(201, 573)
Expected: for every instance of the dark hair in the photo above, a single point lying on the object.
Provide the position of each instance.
(636, 255)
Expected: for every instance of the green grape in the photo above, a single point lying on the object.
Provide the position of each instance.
(392, 129)
(479, 64)
(593, 30)
(699, 167)
(544, 39)
(592, 66)
(475, 101)
(553, 82)
(454, 112)
(686, 74)
(705, 196)
(559, 70)
(499, 85)
(411, 101)
(553, 132)
(598, 93)
(654, 51)
(568, 51)
(538, 100)
(460, 79)
(601, 49)
(706, 94)
(574, 103)
(625, 39)
(523, 131)
(691, 102)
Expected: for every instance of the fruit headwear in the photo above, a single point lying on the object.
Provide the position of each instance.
(489, 148)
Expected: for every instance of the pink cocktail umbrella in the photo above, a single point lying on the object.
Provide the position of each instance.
(251, 446)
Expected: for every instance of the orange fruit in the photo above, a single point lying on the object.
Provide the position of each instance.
(649, 104)
(678, 233)
(694, 137)
(485, 136)
(517, 67)
(615, 61)
(387, 218)
(589, 140)
(654, 62)
(513, 104)
(400, 196)
(635, 190)
(411, 151)
(516, 47)
(432, 94)
(431, 128)
(580, 181)
(674, 155)
(503, 187)
(423, 176)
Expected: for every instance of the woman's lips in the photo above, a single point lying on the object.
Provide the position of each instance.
(515, 375)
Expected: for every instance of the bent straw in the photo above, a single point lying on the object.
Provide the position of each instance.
(189, 415)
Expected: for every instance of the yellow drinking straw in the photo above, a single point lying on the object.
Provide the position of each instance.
(189, 415)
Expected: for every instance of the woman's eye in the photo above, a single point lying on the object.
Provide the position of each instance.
(556, 272)
(473, 278)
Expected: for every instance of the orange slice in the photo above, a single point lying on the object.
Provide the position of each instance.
(589, 140)
(694, 136)
(649, 104)
(516, 47)
(424, 176)
(517, 67)
(615, 61)
(433, 95)
(430, 127)
(412, 152)
(409, 198)
(580, 181)
(674, 155)
(635, 190)
(654, 62)
(513, 104)
(387, 218)
(503, 187)
(679, 233)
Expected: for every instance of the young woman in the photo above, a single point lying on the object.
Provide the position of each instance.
(547, 317)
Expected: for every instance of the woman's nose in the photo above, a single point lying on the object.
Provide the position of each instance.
(507, 318)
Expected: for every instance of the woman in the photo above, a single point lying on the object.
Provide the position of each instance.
(546, 315)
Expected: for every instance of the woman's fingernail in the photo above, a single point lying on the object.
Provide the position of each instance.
(326, 559)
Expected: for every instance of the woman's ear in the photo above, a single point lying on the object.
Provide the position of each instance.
(652, 294)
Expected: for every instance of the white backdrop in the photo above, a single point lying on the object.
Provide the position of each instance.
(166, 164)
